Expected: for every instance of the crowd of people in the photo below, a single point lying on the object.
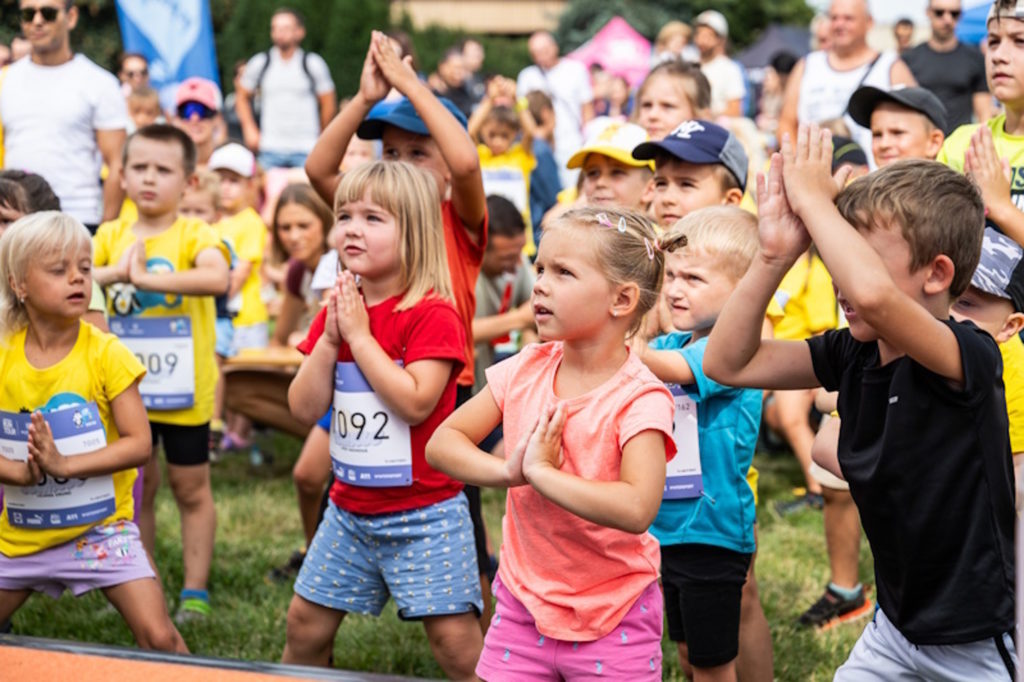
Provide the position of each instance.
(599, 296)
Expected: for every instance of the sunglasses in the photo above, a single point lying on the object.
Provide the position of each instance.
(953, 13)
(136, 74)
(189, 109)
(28, 14)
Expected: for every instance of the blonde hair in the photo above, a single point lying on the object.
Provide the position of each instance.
(410, 195)
(673, 29)
(626, 247)
(46, 232)
(207, 182)
(727, 233)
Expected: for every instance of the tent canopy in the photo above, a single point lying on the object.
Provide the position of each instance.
(619, 49)
(775, 39)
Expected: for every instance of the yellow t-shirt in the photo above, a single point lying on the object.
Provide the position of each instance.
(508, 175)
(98, 369)
(129, 211)
(1013, 381)
(247, 235)
(804, 304)
(173, 250)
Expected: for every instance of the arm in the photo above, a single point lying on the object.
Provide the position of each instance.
(292, 308)
(790, 103)
(479, 115)
(668, 365)
(209, 277)
(527, 124)
(328, 105)
(900, 74)
(494, 326)
(23, 474)
(246, 118)
(237, 276)
(587, 112)
(733, 108)
(110, 143)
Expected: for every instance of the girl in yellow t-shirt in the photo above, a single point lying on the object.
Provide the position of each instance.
(72, 432)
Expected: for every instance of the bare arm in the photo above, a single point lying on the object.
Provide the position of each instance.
(328, 105)
(495, 326)
(288, 317)
(452, 448)
(900, 74)
(312, 389)
(733, 108)
(110, 143)
(237, 276)
(209, 277)
(668, 365)
(790, 103)
(246, 118)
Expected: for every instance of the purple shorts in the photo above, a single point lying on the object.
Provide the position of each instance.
(104, 557)
(514, 649)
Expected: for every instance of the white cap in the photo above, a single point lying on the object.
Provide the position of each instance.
(713, 20)
(234, 157)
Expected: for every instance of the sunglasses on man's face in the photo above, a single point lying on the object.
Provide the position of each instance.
(189, 109)
(954, 14)
(141, 73)
(28, 14)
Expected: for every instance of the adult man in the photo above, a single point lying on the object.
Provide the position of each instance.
(724, 75)
(132, 71)
(296, 96)
(955, 72)
(62, 115)
(567, 83)
(822, 82)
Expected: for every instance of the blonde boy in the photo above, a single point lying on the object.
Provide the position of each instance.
(201, 198)
(905, 123)
(611, 176)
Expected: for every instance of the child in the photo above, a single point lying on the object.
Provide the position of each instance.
(395, 347)
(901, 244)
(706, 549)
(201, 198)
(589, 432)
(697, 164)
(611, 175)
(674, 91)
(144, 107)
(161, 273)
(66, 522)
(905, 123)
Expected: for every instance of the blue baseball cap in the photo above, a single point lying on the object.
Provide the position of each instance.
(700, 142)
(401, 114)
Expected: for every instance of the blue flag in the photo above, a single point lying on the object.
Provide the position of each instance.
(175, 37)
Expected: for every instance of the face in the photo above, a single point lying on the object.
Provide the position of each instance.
(572, 298)
(850, 22)
(199, 204)
(234, 191)
(134, 72)
(48, 37)
(1004, 61)
(453, 71)
(497, 136)
(903, 34)
(300, 231)
(543, 50)
(944, 15)
(663, 105)
(607, 182)
(368, 240)
(357, 153)
(696, 289)
(680, 187)
(987, 311)
(285, 31)
(59, 285)
(900, 133)
(154, 175)
(473, 54)
(503, 254)
(143, 112)
(419, 150)
(707, 41)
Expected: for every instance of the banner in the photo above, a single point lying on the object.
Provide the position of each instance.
(175, 37)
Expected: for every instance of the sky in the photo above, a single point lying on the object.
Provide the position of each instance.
(888, 11)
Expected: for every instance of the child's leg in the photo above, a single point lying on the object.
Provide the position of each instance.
(456, 642)
(754, 662)
(11, 601)
(311, 630)
(147, 510)
(310, 473)
(194, 495)
(141, 604)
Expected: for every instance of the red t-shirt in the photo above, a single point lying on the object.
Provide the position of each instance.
(431, 329)
(464, 258)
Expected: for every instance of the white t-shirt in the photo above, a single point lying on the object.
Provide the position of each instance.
(726, 79)
(50, 115)
(289, 111)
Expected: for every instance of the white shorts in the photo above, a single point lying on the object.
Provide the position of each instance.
(827, 479)
(883, 654)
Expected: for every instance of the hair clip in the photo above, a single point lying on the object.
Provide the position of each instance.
(651, 247)
(622, 224)
(602, 220)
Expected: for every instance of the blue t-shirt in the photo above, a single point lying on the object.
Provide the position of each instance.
(727, 423)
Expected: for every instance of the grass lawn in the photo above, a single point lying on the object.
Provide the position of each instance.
(258, 527)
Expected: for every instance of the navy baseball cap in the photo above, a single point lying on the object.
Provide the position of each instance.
(1000, 271)
(700, 142)
(401, 114)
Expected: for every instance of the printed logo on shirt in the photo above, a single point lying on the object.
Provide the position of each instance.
(125, 299)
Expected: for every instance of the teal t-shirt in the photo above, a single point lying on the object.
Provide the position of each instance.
(727, 424)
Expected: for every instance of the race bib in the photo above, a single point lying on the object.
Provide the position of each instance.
(165, 348)
(508, 183)
(58, 502)
(682, 476)
(370, 444)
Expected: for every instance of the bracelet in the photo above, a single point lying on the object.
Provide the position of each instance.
(522, 104)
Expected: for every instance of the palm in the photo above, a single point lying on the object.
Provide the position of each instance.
(781, 232)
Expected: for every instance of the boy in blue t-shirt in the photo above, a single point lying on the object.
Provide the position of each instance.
(706, 521)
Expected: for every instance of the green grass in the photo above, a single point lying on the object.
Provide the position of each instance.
(258, 528)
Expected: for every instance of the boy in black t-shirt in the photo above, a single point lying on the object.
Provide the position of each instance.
(924, 442)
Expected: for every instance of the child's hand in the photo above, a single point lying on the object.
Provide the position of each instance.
(353, 320)
(397, 71)
(782, 234)
(807, 170)
(514, 459)
(545, 447)
(136, 262)
(372, 83)
(24, 474)
(989, 172)
(43, 450)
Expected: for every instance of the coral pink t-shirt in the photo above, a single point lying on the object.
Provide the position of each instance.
(577, 578)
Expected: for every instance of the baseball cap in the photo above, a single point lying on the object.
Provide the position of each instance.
(1015, 12)
(1000, 271)
(700, 142)
(865, 98)
(233, 157)
(401, 114)
(845, 150)
(614, 139)
(200, 90)
(713, 20)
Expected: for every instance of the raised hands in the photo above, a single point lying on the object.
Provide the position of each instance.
(372, 84)
(540, 447)
(989, 172)
(807, 170)
(347, 318)
(42, 450)
(782, 234)
(397, 71)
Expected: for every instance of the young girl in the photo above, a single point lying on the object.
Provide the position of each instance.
(66, 522)
(589, 429)
(393, 344)
(674, 91)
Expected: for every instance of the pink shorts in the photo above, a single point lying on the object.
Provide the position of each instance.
(104, 557)
(514, 650)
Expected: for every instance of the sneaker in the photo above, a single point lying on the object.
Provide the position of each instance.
(191, 610)
(288, 570)
(833, 609)
(805, 501)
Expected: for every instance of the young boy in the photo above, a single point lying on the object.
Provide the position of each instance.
(201, 198)
(706, 549)
(611, 175)
(905, 123)
(696, 165)
(161, 273)
(144, 107)
(901, 244)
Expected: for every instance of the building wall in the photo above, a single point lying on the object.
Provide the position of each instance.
(483, 16)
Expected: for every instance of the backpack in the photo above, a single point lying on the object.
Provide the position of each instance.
(263, 73)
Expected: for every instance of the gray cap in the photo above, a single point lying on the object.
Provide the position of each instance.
(1014, 12)
(1000, 271)
(864, 100)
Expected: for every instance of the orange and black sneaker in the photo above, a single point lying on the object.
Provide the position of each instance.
(833, 609)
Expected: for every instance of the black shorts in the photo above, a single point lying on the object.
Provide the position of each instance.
(483, 560)
(183, 445)
(702, 586)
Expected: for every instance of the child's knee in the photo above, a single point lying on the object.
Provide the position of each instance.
(308, 481)
(455, 640)
(191, 492)
(160, 635)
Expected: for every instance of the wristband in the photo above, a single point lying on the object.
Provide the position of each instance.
(522, 104)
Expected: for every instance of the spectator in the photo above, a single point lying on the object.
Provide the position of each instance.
(296, 96)
(20, 47)
(143, 107)
(473, 59)
(725, 75)
(821, 32)
(132, 72)
(63, 116)
(673, 42)
(903, 32)
(954, 71)
(198, 103)
(773, 92)
(451, 80)
(5, 55)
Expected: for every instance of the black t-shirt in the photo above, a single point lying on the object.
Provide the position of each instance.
(930, 469)
(953, 76)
